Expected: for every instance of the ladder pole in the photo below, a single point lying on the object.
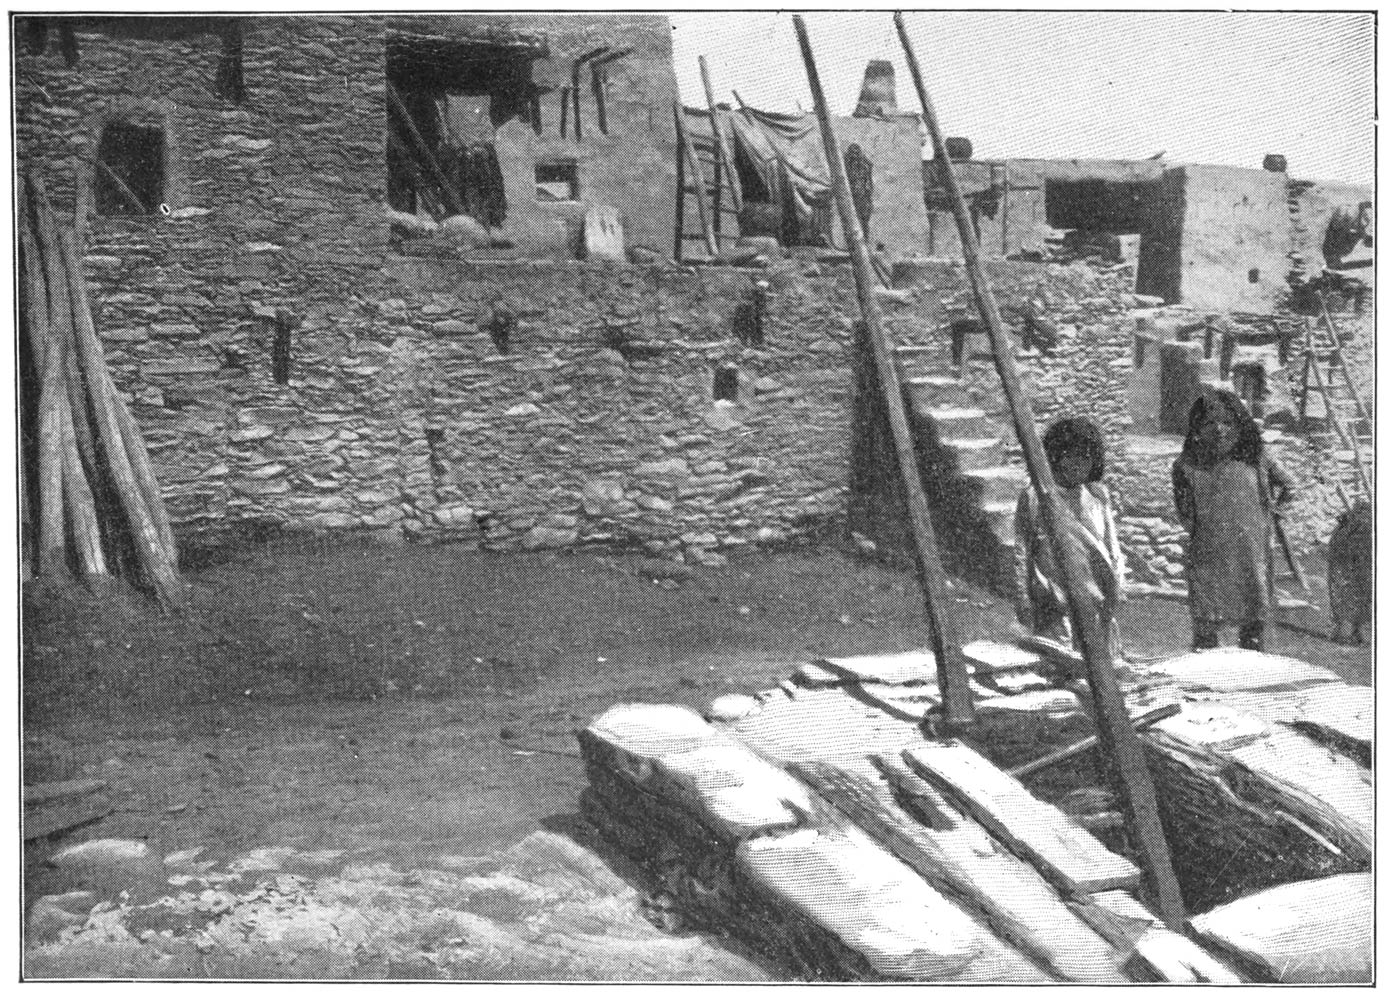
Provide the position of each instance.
(695, 170)
(952, 669)
(1346, 437)
(679, 196)
(720, 136)
(1091, 616)
(1338, 351)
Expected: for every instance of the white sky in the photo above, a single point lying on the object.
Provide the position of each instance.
(1216, 88)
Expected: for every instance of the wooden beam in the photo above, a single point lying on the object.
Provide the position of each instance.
(695, 172)
(720, 136)
(452, 199)
(1092, 628)
(952, 669)
(1085, 744)
(1041, 834)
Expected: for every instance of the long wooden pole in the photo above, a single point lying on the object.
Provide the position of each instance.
(453, 199)
(952, 668)
(1134, 785)
(695, 171)
(729, 166)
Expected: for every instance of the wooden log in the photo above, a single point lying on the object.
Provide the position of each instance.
(48, 335)
(1019, 906)
(38, 793)
(1318, 931)
(1062, 852)
(1084, 744)
(158, 566)
(51, 818)
(1091, 617)
(952, 673)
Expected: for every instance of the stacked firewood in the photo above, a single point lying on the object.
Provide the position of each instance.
(91, 503)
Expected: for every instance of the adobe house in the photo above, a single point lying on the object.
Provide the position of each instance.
(1214, 238)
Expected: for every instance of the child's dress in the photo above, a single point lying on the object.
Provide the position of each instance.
(1036, 571)
(1225, 507)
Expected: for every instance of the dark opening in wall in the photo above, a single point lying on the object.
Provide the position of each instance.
(281, 326)
(1097, 204)
(724, 382)
(445, 100)
(1249, 383)
(748, 320)
(129, 169)
(1253, 275)
(556, 181)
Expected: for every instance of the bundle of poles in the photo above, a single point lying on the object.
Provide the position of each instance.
(90, 504)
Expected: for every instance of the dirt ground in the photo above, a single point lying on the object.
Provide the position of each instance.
(421, 702)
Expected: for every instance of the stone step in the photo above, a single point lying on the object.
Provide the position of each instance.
(997, 484)
(1001, 519)
(976, 453)
(960, 422)
(937, 391)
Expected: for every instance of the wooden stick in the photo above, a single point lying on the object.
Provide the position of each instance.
(1133, 783)
(122, 187)
(1085, 744)
(452, 199)
(952, 669)
(733, 183)
(1342, 435)
(695, 170)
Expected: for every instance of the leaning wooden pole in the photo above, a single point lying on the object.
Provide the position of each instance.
(720, 136)
(695, 173)
(952, 669)
(1091, 629)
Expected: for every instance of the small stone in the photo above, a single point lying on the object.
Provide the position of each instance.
(102, 853)
(522, 410)
(541, 537)
(731, 707)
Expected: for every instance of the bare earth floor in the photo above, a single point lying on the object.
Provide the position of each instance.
(411, 710)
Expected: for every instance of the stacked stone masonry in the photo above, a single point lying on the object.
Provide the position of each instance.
(402, 415)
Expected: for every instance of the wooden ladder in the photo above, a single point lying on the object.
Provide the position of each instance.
(702, 155)
(1346, 431)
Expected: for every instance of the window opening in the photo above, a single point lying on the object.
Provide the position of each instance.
(556, 181)
(129, 169)
(445, 100)
(724, 383)
(1249, 383)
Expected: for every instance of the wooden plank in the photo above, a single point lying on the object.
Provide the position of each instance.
(952, 679)
(962, 863)
(1166, 956)
(850, 886)
(63, 815)
(899, 669)
(1316, 931)
(1092, 627)
(1063, 852)
(46, 792)
(1231, 669)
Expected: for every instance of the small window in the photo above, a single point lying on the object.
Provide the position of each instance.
(724, 383)
(556, 181)
(129, 169)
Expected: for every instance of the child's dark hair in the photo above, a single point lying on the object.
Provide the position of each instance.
(1076, 435)
(1248, 447)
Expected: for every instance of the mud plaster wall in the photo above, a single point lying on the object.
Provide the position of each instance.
(630, 167)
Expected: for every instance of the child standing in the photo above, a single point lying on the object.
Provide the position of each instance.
(1225, 488)
(1077, 458)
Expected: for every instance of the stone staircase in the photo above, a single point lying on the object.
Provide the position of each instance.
(966, 448)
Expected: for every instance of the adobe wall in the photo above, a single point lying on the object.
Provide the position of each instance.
(1236, 239)
(629, 167)
(898, 218)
